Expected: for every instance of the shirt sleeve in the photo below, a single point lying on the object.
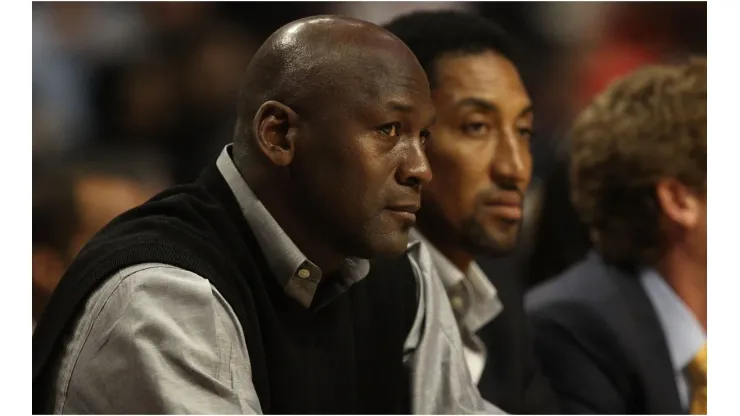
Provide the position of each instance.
(163, 340)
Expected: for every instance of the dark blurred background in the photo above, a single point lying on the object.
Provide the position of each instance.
(146, 92)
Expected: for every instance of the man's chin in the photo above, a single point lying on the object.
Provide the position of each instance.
(491, 241)
(385, 245)
(393, 247)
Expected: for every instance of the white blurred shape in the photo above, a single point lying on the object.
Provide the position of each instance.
(381, 13)
(572, 23)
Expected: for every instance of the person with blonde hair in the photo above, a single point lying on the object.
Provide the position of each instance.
(624, 331)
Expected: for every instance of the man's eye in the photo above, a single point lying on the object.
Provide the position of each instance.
(526, 133)
(391, 129)
(476, 129)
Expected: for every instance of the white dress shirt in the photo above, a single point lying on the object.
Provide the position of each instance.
(481, 304)
(683, 332)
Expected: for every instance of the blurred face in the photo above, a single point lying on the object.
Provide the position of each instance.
(359, 164)
(99, 200)
(479, 152)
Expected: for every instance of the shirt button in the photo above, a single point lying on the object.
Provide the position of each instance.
(457, 303)
(303, 273)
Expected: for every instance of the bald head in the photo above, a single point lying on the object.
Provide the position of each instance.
(308, 64)
(333, 116)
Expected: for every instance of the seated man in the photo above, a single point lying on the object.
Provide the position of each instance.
(479, 152)
(247, 290)
(624, 331)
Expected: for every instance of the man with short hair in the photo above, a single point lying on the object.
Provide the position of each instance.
(247, 291)
(624, 331)
(479, 152)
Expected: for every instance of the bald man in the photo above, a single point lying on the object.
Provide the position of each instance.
(245, 292)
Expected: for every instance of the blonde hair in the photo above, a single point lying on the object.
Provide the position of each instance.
(649, 125)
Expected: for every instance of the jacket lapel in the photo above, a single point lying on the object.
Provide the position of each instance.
(649, 347)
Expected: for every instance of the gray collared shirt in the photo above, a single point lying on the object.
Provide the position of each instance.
(480, 306)
(155, 338)
(298, 276)
(683, 332)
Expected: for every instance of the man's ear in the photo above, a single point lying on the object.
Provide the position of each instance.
(678, 202)
(275, 128)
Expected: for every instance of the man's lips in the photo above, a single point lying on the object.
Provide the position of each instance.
(506, 205)
(405, 211)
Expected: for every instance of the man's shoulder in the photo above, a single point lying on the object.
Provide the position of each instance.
(588, 287)
(177, 207)
(181, 226)
(137, 285)
(144, 307)
(145, 276)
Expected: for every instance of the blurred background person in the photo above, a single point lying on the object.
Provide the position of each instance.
(624, 331)
(479, 151)
(72, 201)
(588, 46)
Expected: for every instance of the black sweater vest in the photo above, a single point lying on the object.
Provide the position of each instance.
(344, 358)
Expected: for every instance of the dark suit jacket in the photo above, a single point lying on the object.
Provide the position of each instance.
(512, 379)
(601, 344)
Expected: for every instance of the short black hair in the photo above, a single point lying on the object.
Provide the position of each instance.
(433, 34)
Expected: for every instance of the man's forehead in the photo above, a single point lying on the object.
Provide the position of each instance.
(381, 79)
(422, 106)
(485, 71)
(387, 71)
(481, 96)
(493, 104)
(392, 89)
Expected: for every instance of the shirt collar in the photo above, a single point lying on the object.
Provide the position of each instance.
(448, 272)
(684, 334)
(298, 276)
(485, 304)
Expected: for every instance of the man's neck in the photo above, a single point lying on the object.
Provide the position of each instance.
(688, 278)
(447, 246)
(307, 240)
(272, 194)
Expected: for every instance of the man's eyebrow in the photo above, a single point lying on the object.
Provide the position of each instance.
(488, 106)
(528, 110)
(399, 106)
(477, 103)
